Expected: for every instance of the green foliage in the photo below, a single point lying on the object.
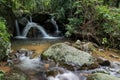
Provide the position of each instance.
(105, 15)
(109, 19)
(4, 39)
(1, 75)
(91, 16)
(31, 5)
(84, 11)
(104, 40)
(3, 31)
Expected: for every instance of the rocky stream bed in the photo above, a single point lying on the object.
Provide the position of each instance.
(63, 61)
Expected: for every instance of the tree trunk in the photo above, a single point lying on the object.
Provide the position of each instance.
(106, 2)
(117, 3)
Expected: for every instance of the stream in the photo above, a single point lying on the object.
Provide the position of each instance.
(27, 61)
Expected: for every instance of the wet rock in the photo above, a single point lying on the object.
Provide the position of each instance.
(118, 72)
(52, 73)
(85, 46)
(15, 75)
(101, 50)
(68, 43)
(115, 65)
(102, 76)
(114, 56)
(24, 61)
(78, 42)
(77, 46)
(94, 65)
(23, 21)
(40, 17)
(89, 46)
(101, 71)
(105, 63)
(61, 52)
(100, 59)
(91, 66)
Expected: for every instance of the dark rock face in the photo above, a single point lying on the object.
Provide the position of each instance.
(40, 18)
(44, 19)
(105, 63)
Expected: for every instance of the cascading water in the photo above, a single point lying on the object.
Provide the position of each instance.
(32, 24)
(30, 19)
(55, 25)
(28, 64)
(65, 76)
(17, 28)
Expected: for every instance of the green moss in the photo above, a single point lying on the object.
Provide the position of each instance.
(102, 76)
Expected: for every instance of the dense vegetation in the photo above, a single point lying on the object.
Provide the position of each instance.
(4, 39)
(92, 20)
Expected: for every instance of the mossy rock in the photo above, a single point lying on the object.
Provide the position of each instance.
(68, 54)
(15, 75)
(102, 76)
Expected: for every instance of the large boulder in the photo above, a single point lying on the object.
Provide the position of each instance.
(64, 53)
(102, 76)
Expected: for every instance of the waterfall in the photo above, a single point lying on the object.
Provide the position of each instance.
(17, 28)
(32, 24)
(30, 19)
(55, 25)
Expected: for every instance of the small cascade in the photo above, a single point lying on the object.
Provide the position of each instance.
(47, 70)
(32, 24)
(55, 25)
(17, 28)
(65, 76)
(30, 19)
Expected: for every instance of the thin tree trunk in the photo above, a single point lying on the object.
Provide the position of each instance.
(117, 3)
(106, 2)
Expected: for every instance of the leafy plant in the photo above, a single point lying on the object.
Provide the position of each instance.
(96, 20)
(4, 39)
(1, 75)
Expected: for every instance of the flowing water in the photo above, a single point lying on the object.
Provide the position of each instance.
(17, 28)
(37, 66)
(40, 28)
(32, 24)
(55, 25)
(30, 19)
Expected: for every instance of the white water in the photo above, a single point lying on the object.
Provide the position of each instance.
(26, 63)
(64, 76)
(55, 25)
(17, 28)
(31, 25)
(30, 19)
